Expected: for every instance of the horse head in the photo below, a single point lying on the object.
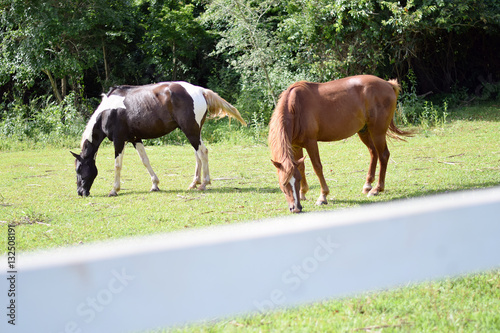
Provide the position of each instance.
(289, 178)
(86, 172)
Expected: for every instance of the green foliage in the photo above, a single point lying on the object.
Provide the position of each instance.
(439, 37)
(174, 41)
(413, 110)
(490, 91)
(38, 192)
(247, 38)
(41, 122)
(248, 51)
(330, 40)
(220, 131)
(433, 116)
(60, 39)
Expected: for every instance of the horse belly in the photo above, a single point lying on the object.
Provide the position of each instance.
(336, 135)
(150, 126)
(339, 127)
(155, 131)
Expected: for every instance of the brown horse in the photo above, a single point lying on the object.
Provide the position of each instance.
(310, 112)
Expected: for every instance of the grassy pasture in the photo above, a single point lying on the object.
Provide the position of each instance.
(38, 194)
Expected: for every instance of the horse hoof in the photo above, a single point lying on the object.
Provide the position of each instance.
(366, 189)
(154, 189)
(112, 194)
(321, 202)
(372, 194)
(192, 186)
(202, 187)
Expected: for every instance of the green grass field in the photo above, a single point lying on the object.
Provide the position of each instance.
(38, 194)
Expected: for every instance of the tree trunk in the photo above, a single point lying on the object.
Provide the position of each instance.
(64, 87)
(53, 83)
(174, 61)
(106, 67)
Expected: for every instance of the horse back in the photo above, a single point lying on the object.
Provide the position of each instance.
(336, 110)
(147, 113)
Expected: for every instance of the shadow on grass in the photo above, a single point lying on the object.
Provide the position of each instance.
(364, 201)
(333, 203)
(225, 189)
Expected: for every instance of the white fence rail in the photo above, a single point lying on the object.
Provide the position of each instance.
(143, 283)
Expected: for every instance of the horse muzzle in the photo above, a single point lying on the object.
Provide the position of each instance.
(83, 193)
(295, 209)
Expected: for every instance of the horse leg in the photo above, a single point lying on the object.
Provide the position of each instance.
(298, 153)
(202, 154)
(370, 177)
(119, 150)
(312, 150)
(145, 160)
(197, 173)
(383, 154)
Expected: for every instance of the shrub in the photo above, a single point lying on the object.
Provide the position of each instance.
(41, 122)
(414, 110)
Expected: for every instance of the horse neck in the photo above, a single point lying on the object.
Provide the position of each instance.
(89, 149)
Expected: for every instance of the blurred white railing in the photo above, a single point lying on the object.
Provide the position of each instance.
(157, 281)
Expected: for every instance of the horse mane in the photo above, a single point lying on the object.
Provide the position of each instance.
(121, 87)
(279, 141)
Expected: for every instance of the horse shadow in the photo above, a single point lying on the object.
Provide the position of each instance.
(414, 194)
(333, 203)
(172, 191)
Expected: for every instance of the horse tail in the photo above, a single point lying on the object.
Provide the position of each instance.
(394, 132)
(395, 85)
(219, 107)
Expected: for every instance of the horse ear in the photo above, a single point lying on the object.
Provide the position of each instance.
(277, 164)
(301, 160)
(78, 157)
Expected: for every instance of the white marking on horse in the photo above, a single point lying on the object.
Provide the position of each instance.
(145, 160)
(199, 102)
(118, 169)
(107, 103)
(292, 182)
(355, 81)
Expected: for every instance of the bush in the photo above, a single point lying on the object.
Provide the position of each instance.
(414, 110)
(41, 122)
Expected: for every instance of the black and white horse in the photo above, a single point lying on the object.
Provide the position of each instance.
(133, 113)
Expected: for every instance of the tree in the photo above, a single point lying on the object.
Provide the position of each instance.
(245, 36)
(175, 42)
(446, 43)
(332, 39)
(60, 39)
